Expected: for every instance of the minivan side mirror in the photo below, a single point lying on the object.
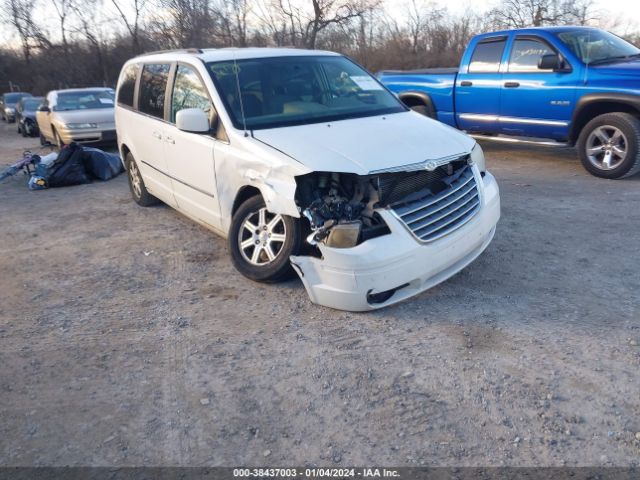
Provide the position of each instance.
(192, 120)
(550, 62)
(43, 108)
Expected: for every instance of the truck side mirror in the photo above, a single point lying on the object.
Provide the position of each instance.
(549, 62)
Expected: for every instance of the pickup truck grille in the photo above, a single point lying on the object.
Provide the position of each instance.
(434, 215)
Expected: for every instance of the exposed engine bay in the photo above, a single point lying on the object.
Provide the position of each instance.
(340, 207)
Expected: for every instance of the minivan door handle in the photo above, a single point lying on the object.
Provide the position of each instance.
(466, 83)
(169, 140)
(511, 84)
(157, 135)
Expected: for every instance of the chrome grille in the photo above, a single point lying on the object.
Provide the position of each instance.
(434, 215)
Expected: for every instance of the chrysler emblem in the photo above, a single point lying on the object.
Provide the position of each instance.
(431, 165)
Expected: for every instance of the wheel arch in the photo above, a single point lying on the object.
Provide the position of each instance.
(244, 194)
(591, 106)
(412, 98)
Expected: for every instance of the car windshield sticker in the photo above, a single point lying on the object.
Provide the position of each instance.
(366, 83)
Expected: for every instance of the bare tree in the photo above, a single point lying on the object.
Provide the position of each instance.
(19, 15)
(537, 13)
(132, 24)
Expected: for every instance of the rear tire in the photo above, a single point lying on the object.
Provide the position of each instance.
(254, 249)
(139, 192)
(609, 145)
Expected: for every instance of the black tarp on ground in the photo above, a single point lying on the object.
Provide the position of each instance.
(77, 165)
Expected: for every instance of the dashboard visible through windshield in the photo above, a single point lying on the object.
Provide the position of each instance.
(296, 90)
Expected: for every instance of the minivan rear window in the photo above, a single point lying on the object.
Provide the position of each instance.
(153, 85)
(128, 85)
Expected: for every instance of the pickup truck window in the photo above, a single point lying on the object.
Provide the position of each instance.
(298, 90)
(487, 56)
(597, 46)
(526, 53)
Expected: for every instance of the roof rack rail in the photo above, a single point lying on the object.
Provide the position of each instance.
(177, 50)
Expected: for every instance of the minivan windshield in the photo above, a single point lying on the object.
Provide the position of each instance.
(595, 47)
(84, 100)
(298, 90)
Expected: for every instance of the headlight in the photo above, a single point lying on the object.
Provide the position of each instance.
(9, 111)
(477, 157)
(75, 126)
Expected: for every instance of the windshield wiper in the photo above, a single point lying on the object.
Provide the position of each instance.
(613, 59)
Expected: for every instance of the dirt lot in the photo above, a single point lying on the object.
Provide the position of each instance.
(127, 338)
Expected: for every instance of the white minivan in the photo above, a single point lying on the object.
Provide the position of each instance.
(306, 163)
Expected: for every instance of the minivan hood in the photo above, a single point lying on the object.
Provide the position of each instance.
(369, 144)
(93, 115)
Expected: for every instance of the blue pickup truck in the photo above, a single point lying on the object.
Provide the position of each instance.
(577, 85)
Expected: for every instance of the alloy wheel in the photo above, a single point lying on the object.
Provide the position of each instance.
(262, 237)
(136, 181)
(606, 147)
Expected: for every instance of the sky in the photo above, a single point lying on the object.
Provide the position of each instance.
(623, 14)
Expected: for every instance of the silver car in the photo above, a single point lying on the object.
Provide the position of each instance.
(83, 115)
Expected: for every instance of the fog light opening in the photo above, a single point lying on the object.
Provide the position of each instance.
(381, 297)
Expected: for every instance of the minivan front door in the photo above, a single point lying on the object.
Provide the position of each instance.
(190, 155)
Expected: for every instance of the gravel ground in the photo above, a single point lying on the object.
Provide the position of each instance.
(127, 338)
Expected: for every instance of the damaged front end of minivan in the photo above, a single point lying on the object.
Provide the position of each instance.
(372, 238)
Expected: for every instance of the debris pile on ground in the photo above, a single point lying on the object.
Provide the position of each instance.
(73, 165)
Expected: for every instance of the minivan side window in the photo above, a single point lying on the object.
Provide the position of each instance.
(525, 54)
(189, 92)
(128, 85)
(487, 56)
(153, 85)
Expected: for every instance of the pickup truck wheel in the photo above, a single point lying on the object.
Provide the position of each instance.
(139, 192)
(261, 242)
(609, 145)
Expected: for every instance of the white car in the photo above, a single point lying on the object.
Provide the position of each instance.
(306, 163)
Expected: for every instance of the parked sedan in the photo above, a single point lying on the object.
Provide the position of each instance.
(83, 115)
(26, 115)
(8, 104)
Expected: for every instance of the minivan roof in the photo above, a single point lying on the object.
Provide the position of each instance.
(230, 53)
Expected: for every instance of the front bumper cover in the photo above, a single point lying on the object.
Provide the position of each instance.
(345, 278)
(88, 136)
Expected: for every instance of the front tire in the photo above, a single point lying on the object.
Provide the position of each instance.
(57, 139)
(139, 192)
(609, 145)
(261, 242)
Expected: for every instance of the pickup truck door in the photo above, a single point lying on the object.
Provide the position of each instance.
(479, 85)
(536, 102)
